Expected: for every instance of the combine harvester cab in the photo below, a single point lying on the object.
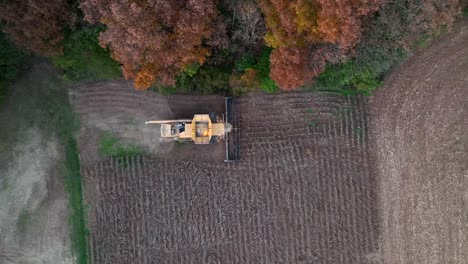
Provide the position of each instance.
(206, 129)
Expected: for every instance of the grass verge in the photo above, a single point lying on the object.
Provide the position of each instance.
(109, 145)
(59, 120)
(66, 125)
(73, 185)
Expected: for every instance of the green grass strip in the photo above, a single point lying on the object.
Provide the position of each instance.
(73, 185)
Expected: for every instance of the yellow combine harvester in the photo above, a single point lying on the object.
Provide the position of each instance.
(206, 129)
(199, 130)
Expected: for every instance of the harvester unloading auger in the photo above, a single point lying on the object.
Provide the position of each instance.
(206, 129)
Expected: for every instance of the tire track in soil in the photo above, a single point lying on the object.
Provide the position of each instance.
(301, 194)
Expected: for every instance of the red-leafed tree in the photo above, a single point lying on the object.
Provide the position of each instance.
(154, 40)
(292, 67)
(298, 27)
(288, 67)
(37, 25)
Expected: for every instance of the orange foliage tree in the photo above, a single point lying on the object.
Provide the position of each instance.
(288, 67)
(294, 67)
(154, 40)
(298, 29)
(37, 25)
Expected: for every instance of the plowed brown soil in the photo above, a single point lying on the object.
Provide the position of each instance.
(420, 127)
(305, 190)
(302, 192)
(117, 108)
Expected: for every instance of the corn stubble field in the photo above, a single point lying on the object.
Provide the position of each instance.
(302, 192)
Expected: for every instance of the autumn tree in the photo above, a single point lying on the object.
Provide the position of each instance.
(399, 25)
(289, 67)
(154, 40)
(298, 27)
(293, 67)
(37, 25)
(403, 22)
(248, 24)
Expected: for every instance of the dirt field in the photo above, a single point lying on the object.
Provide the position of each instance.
(301, 194)
(305, 190)
(420, 127)
(117, 108)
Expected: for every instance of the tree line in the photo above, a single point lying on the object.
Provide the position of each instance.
(214, 45)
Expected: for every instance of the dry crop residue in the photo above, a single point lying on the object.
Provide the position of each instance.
(33, 210)
(34, 207)
(421, 141)
(302, 192)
